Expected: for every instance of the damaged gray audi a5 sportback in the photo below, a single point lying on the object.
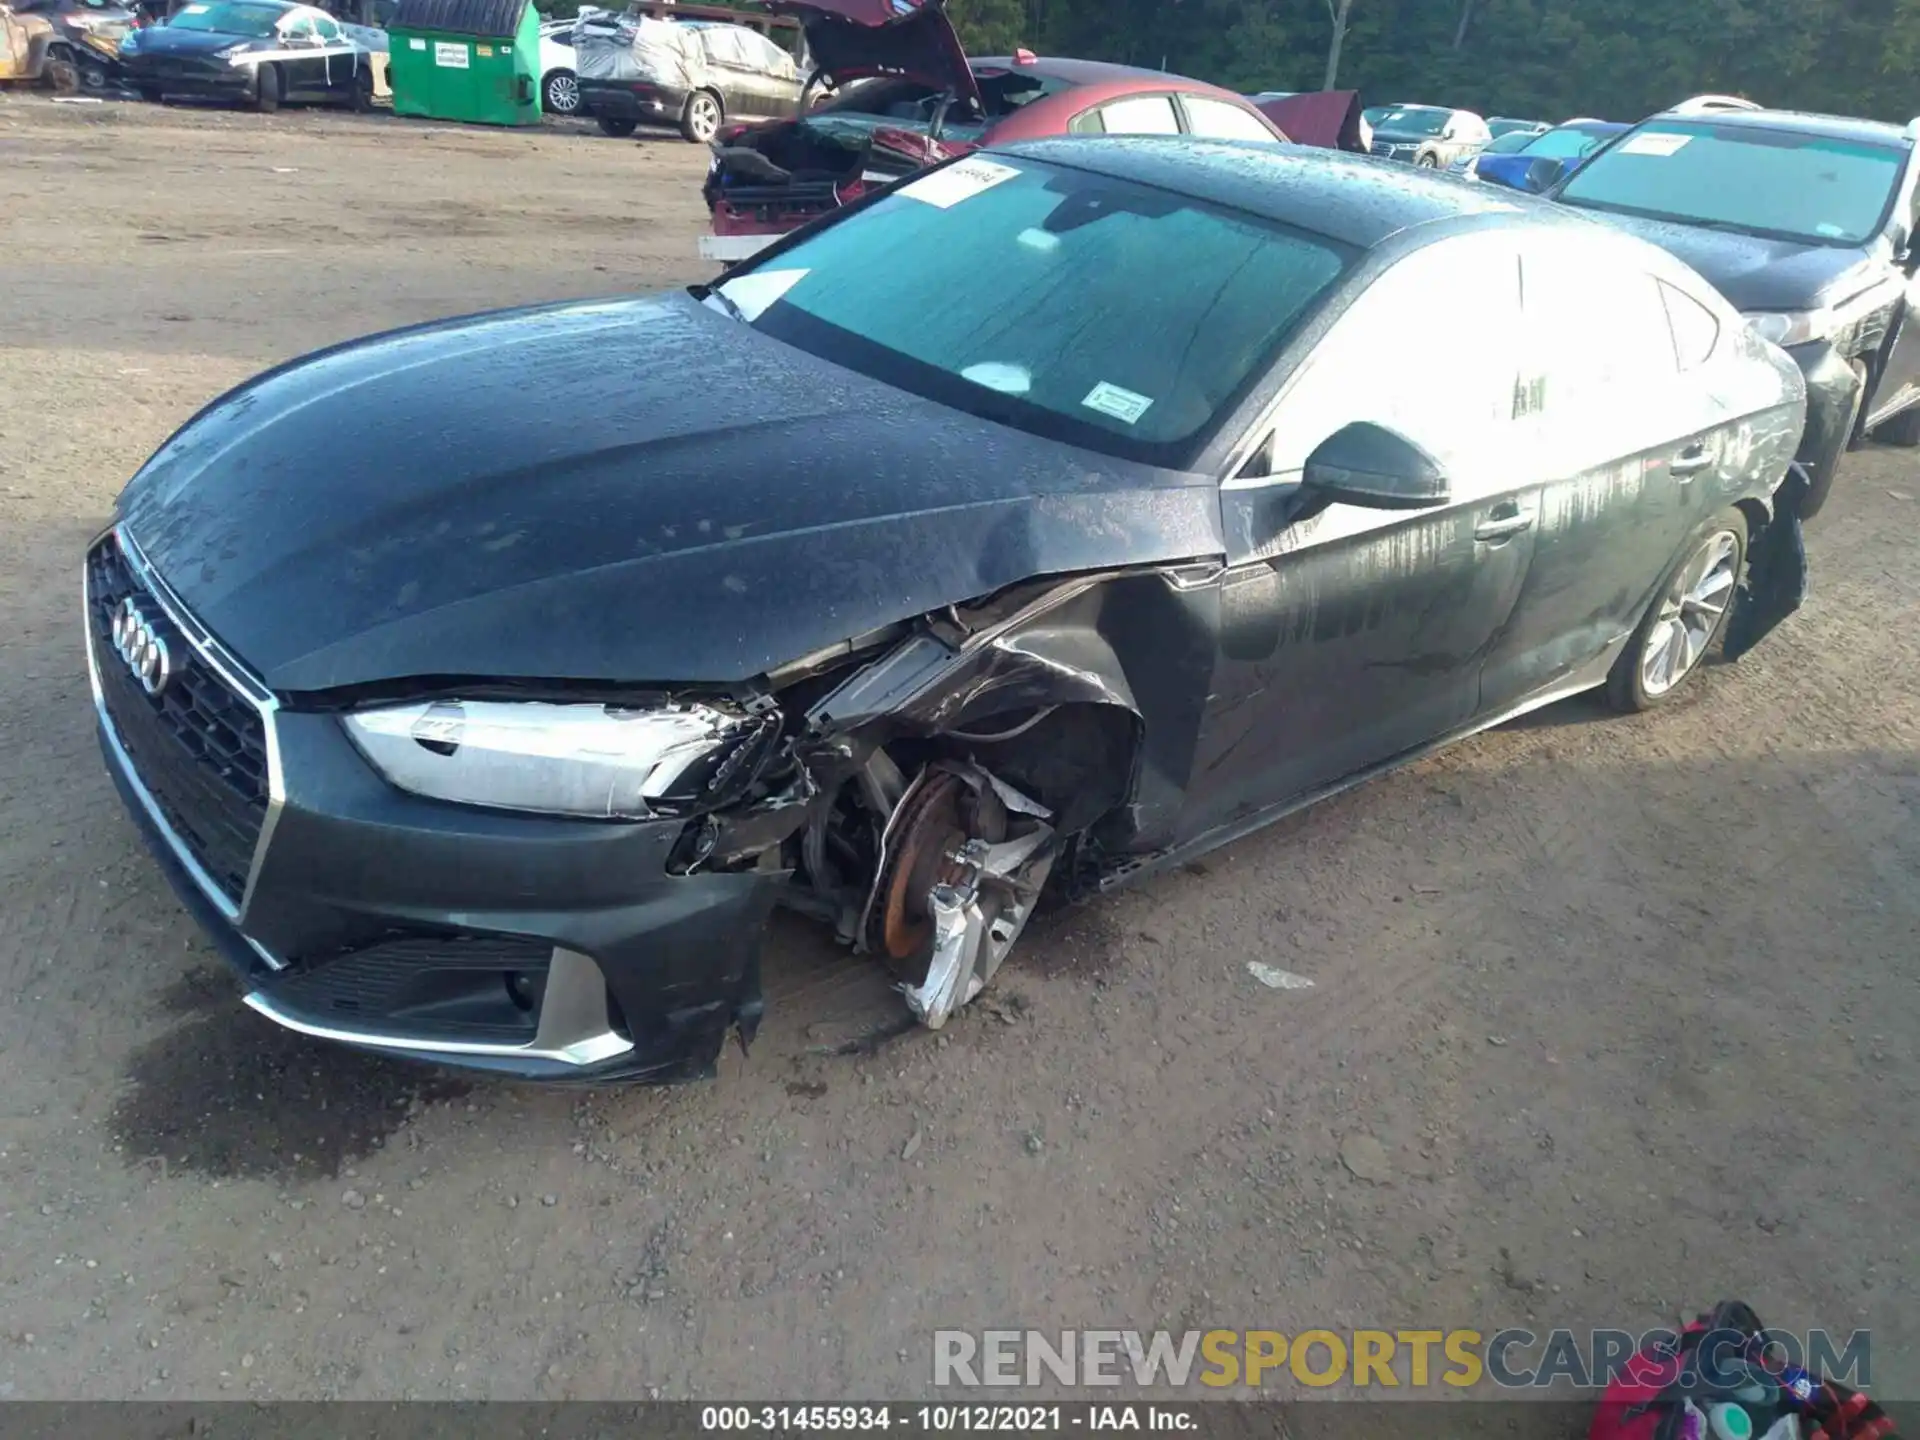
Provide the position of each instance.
(1046, 520)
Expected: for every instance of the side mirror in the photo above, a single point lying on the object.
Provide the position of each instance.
(1366, 465)
(1529, 174)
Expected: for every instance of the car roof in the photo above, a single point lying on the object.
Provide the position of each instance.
(1356, 200)
(1837, 127)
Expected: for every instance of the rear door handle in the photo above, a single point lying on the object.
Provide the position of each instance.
(1690, 462)
(1504, 526)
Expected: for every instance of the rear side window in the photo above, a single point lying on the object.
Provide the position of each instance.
(1135, 115)
(1217, 120)
(1599, 335)
(1696, 329)
(722, 44)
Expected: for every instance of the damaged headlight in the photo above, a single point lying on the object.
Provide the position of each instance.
(601, 761)
(1791, 327)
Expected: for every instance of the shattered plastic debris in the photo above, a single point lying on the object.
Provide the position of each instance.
(1275, 978)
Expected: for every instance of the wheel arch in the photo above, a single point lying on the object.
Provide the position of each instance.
(1087, 685)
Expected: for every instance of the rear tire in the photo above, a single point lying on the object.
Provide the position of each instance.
(701, 120)
(618, 126)
(93, 75)
(362, 100)
(1426, 162)
(1902, 430)
(1682, 624)
(153, 95)
(266, 89)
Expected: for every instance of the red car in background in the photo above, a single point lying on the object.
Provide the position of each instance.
(904, 95)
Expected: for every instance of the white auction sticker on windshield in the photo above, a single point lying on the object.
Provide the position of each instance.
(962, 181)
(1123, 405)
(1653, 142)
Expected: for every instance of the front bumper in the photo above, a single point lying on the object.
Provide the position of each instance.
(632, 100)
(537, 947)
(195, 78)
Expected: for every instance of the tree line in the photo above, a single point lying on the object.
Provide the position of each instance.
(1546, 59)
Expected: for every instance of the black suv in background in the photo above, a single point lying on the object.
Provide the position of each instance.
(1805, 223)
(1430, 136)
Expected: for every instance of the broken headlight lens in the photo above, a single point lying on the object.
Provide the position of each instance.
(599, 761)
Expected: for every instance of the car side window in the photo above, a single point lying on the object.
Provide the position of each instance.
(1599, 334)
(1431, 349)
(1696, 329)
(722, 45)
(1131, 115)
(327, 30)
(1217, 120)
(298, 28)
(765, 55)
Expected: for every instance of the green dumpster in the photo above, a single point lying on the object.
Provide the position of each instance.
(476, 60)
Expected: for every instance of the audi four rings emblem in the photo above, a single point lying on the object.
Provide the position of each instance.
(141, 647)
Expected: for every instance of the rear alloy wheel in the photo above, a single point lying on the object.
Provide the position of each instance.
(266, 89)
(1685, 619)
(93, 74)
(560, 93)
(700, 122)
(618, 126)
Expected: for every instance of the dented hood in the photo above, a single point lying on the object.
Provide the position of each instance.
(852, 38)
(637, 491)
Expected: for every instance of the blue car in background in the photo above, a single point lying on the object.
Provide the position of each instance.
(1514, 160)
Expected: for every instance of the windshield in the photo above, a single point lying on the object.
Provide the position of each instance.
(233, 18)
(1776, 183)
(1412, 120)
(1510, 143)
(1565, 143)
(1115, 316)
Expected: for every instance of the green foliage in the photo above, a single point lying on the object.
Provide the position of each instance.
(1619, 59)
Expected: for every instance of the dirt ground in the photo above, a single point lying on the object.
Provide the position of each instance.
(1628, 1005)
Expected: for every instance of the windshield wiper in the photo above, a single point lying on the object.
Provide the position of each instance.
(714, 292)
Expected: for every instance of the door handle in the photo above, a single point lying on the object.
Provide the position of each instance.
(1689, 462)
(1498, 527)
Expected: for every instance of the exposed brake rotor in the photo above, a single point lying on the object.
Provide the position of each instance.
(936, 820)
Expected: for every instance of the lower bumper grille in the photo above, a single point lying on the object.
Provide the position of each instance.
(198, 747)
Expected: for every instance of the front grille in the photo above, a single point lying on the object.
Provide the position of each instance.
(199, 747)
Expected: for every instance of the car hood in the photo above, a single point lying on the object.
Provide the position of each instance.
(851, 38)
(1756, 273)
(638, 491)
(165, 40)
(1327, 118)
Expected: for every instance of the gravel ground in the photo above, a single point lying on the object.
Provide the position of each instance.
(1624, 1005)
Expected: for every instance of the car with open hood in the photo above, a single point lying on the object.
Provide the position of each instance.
(904, 95)
(255, 52)
(1038, 524)
(1806, 223)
